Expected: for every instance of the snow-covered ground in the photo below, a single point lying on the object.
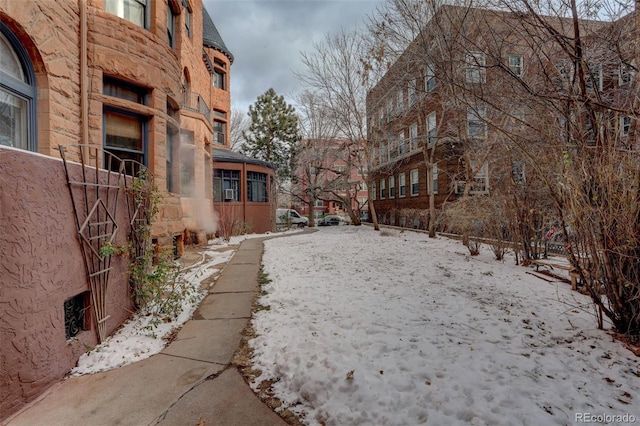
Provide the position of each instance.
(367, 328)
(137, 340)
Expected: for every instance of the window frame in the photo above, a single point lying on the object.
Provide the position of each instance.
(188, 19)
(402, 185)
(171, 24)
(230, 176)
(145, 12)
(217, 133)
(392, 187)
(434, 178)
(516, 69)
(625, 125)
(480, 114)
(144, 124)
(252, 178)
(412, 87)
(383, 189)
(476, 63)
(429, 78)
(415, 183)
(25, 89)
(413, 137)
(432, 128)
(401, 144)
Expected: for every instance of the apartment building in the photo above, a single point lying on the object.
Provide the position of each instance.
(448, 117)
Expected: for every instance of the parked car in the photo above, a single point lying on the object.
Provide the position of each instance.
(290, 217)
(332, 220)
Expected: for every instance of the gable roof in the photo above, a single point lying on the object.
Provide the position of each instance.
(211, 37)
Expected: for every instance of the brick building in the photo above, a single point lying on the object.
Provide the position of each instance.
(443, 119)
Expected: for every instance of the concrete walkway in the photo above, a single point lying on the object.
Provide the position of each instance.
(191, 382)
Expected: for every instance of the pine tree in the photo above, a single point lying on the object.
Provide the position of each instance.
(273, 132)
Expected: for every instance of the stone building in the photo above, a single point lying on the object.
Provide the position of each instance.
(143, 80)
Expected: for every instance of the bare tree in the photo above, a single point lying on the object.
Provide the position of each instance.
(565, 108)
(239, 124)
(335, 72)
(313, 151)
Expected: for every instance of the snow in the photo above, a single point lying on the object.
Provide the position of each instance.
(394, 328)
(137, 339)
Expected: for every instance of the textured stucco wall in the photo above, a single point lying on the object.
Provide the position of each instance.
(40, 268)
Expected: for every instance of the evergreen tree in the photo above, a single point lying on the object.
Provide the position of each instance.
(273, 132)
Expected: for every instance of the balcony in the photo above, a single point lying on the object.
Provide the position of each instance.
(192, 101)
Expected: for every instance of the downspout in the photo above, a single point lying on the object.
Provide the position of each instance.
(84, 105)
(244, 193)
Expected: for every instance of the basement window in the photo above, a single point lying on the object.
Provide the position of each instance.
(75, 319)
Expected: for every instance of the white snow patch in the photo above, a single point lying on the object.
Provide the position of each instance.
(369, 329)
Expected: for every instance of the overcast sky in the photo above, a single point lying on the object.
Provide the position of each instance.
(266, 38)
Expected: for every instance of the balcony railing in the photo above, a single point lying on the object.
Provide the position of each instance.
(192, 101)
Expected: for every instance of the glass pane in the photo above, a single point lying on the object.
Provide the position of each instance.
(123, 131)
(13, 121)
(131, 10)
(9, 62)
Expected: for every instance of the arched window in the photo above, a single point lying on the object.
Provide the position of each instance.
(17, 94)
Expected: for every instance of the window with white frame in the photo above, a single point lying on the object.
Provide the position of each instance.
(392, 148)
(413, 137)
(392, 187)
(374, 195)
(476, 71)
(476, 122)
(383, 189)
(517, 172)
(625, 125)
(415, 188)
(429, 78)
(402, 185)
(626, 74)
(434, 178)
(516, 65)
(401, 144)
(594, 76)
(400, 101)
(384, 152)
(389, 109)
(412, 91)
(432, 129)
(134, 11)
(480, 181)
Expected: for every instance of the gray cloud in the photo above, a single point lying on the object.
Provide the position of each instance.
(266, 38)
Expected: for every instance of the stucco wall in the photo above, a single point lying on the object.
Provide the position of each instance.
(40, 268)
